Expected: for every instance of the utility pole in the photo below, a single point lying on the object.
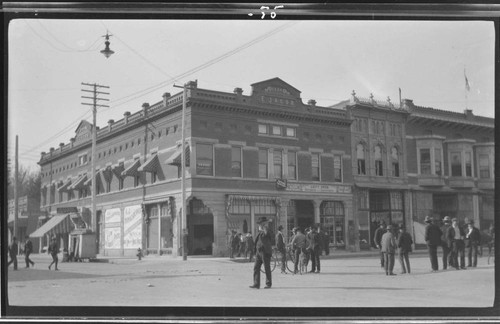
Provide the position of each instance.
(16, 189)
(94, 105)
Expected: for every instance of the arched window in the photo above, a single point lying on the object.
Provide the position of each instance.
(378, 161)
(360, 156)
(395, 161)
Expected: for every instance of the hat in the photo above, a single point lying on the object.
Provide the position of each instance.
(262, 220)
(446, 219)
(428, 219)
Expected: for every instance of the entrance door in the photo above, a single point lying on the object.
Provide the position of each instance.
(200, 224)
(304, 213)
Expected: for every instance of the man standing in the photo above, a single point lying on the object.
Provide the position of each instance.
(444, 242)
(314, 249)
(377, 239)
(54, 250)
(13, 248)
(388, 247)
(298, 245)
(455, 238)
(433, 239)
(249, 246)
(281, 246)
(263, 251)
(28, 248)
(473, 241)
(404, 244)
(234, 243)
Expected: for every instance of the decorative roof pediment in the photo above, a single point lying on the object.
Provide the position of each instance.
(83, 131)
(276, 92)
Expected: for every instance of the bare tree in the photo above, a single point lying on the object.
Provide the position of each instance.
(29, 183)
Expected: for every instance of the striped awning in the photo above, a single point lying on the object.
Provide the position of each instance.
(175, 158)
(118, 169)
(64, 186)
(132, 171)
(80, 183)
(106, 173)
(58, 224)
(232, 198)
(151, 165)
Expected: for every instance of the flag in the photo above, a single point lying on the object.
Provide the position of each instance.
(467, 85)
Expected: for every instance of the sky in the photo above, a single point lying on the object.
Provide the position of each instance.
(326, 60)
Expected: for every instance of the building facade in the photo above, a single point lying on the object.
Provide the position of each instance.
(269, 154)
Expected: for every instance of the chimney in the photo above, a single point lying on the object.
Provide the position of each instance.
(126, 115)
(407, 104)
(51, 151)
(468, 114)
(192, 84)
(61, 146)
(110, 122)
(165, 96)
(72, 140)
(238, 92)
(145, 107)
(312, 102)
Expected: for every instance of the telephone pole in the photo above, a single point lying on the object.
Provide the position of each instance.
(16, 189)
(95, 97)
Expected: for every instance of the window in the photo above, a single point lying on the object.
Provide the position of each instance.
(108, 186)
(263, 163)
(277, 130)
(262, 129)
(154, 177)
(332, 219)
(360, 155)
(484, 166)
(437, 162)
(278, 164)
(468, 164)
(292, 165)
(425, 161)
(120, 183)
(82, 159)
(337, 168)
(315, 166)
(456, 164)
(204, 159)
(236, 162)
(136, 180)
(70, 195)
(290, 132)
(395, 162)
(378, 161)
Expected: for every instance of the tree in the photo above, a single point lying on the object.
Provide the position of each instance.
(29, 183)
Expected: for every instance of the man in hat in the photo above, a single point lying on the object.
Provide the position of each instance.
(388, 247)
(54, 250)
(314, 249)
(281, 246)
(298, 244)
(13, 249)
(455, 236)
(263, 251)
(28, 249)
(444, 242)
(433, 239)
(377, 240)
(404, 245)
(472, 242)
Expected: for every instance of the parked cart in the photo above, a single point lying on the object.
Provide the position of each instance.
(82, 245)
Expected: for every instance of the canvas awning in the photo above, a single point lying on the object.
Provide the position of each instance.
(151, 165)
(58, 224)
(132, 171)
(175, 158)
(80, 183)
(118, 169)
(64, 186)
(106, 174)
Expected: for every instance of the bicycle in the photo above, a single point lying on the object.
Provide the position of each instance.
(276, 260)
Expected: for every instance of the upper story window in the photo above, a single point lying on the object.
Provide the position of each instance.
(276, 130)
(236, 162)
(82, 159)
(378, 161)
(360, 125)
(360, 157)
(395, 162)
(290, 132)
(425, 161)
(484, 166)
(460, 162)
(468, 164)
(315, 163)
(263, 163)
(292, 165)
(456, 164)
(430, 155)
(337, 168)
(378, 127)
(262, 129)
(278, 164)
(204, 159)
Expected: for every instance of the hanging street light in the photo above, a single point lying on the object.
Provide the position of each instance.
(107, 52)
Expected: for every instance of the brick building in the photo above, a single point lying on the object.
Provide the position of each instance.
(262, 154)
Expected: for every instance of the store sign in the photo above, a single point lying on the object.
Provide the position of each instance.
(112, 216)
(132, 227)
(112, 237)
(281, 184)
(318, 188)
(66, 210)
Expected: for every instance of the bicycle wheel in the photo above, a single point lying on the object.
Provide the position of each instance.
(290, 262)
(272, 263)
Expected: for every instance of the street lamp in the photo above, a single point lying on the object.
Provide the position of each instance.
(107, 52)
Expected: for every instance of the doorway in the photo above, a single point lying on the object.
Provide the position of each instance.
(200, 225)
(303, 211)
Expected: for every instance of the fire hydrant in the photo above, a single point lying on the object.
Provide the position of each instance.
(139, 254)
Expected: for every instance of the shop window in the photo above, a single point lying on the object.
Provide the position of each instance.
(456, 164)
(332, 219)
(292, 165)
(360, 157)
(263, 162)
(395, 162)
(363, 199)
(337, 168)
(236, 162)
(315, 167)
(278, 164)
(484, 166)
(204, 159)
(378, 161)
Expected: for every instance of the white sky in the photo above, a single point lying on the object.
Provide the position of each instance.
(326, 60)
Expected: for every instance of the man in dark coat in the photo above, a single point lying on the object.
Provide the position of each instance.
(404, 245)
(377, 239)
(54, 250)
(314, 249)
(433, 239)
(472, 242)
(388, 247)
(455, 237)
(234, 244)
(281, 246)
(444, 242)
(28, 248)
(13, 249)
(263, 251)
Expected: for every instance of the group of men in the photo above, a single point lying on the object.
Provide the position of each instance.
(241, 245)
(53, 250)
(388, 243)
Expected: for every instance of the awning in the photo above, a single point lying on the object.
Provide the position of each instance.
(58, 224)
(132, 171)
(151, 165)
(175, 158)
(232, 198)
(106, 174)
(118, 169)
(80, 183)
(64, 186)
